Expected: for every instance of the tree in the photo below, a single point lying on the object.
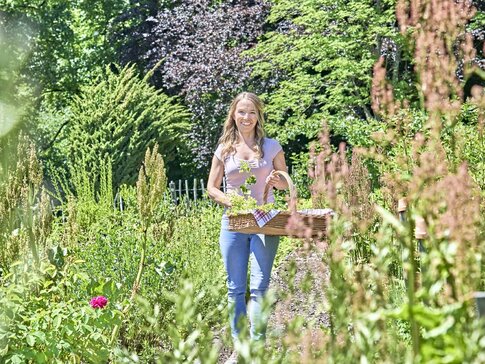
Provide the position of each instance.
(71, 40)
(321, 55)
(200, 44)
(118, 117)
(54, 47)
(319, 60)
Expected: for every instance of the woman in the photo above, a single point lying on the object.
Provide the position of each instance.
(243, 140)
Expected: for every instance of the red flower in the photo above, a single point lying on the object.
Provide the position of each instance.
(98, 302)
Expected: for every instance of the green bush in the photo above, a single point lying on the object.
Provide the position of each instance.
(183, 248)
(181, 244)
(46, 316)
(118, 117)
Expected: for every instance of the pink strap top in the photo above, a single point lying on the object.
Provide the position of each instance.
(261, 168)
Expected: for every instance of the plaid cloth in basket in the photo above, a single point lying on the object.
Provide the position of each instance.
(262, 217)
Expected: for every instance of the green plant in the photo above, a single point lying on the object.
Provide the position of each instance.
(86, 198)
(119, 116)
(150, 187)
(245, 202)
(418, 155)
(45, 312)
(188, 253)
(313, 77)
(24, 206)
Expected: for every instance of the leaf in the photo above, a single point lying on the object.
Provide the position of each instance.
(17, 359)
(30, 340)
(40, 336)
(427, 317)
(4, 350)
(57, 322)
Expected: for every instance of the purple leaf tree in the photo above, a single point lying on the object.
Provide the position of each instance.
(200, 43)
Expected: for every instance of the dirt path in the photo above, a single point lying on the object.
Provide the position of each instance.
(298, 282)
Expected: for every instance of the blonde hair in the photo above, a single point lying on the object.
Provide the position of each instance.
(230, 134)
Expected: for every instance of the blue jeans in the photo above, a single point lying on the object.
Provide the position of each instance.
(237, 250)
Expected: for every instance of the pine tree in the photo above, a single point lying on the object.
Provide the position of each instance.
(120, 116)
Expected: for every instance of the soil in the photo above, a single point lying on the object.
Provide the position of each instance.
(298, 282)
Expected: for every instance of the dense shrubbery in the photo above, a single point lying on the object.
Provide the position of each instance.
(424, 157)
(158, 264)
(118, 117)
(45, 313)
(94, 242)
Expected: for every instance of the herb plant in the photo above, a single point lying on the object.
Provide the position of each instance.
(245, 203)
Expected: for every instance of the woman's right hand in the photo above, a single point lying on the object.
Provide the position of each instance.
(227, 200)
(214, 182)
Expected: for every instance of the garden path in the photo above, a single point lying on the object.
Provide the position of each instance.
(298, 282)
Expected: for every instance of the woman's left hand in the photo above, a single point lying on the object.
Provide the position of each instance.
(274, 180)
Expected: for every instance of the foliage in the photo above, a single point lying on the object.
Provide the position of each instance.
(189, 237)
(189, 332)
(15, 47)
(388, 297)
(50, 50)
(200, 45)
(311, 77)
(299, 173)
(245, 203)
(120, 116)
(361, 291)
(320, 75)
(150, 187)
(468, 144)
(419, 156)
(179, 244)
(46, 312)
(44, 303)
(24, 208)
(72, 40)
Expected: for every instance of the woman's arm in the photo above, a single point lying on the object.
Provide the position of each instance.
(213, 184)
(279, 164)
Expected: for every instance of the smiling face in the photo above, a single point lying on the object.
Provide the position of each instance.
(246, 116)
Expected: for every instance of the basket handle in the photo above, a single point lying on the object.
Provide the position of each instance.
(291, 187)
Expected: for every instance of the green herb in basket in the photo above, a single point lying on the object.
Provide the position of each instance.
(250, 180)
(241, 204)
(246, 203)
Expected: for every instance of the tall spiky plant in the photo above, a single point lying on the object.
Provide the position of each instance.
(432, 318)
(150, 188)
(24, 206)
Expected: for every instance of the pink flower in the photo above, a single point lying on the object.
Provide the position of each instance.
(98, 302)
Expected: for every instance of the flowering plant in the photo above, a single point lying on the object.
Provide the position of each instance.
(98, 302)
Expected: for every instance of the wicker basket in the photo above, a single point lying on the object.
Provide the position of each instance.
(246, 223)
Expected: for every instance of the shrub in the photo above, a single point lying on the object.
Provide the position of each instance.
(119, 116)
(46, 316)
